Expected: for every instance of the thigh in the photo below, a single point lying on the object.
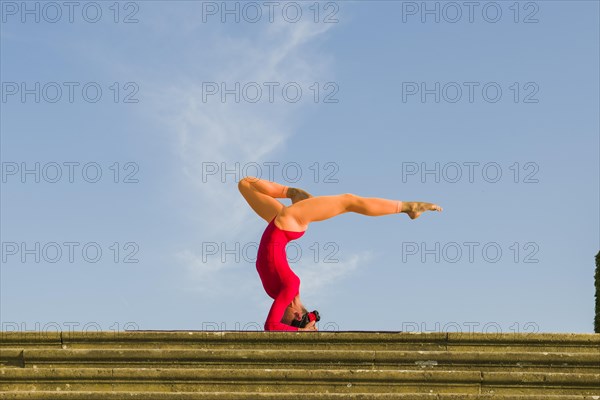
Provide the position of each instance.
(318, 208)
(265, 206)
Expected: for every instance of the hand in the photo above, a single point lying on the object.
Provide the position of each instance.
(311, 326)
(297, 195)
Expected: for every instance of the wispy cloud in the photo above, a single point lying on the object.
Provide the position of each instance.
(317, 279)
(317, 276)
(233, 132)
(243, 132)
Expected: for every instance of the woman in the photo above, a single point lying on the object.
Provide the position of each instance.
(290, 223)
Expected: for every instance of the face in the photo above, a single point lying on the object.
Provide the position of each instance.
(291, 314)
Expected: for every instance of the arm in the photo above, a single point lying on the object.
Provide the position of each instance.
(285, 297)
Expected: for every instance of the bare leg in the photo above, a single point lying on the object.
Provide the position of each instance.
(374, 207)
(261, 195)
(324, 207)
(272, 189)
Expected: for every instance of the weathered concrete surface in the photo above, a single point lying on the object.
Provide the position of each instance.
(275, 396)
(268, 365)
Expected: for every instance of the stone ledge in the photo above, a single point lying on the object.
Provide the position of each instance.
(288, 375)
(576, 339)
(275, 396)
(274, 356)
(268, 365)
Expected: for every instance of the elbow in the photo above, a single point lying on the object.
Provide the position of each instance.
(279, 327)
(270, 326)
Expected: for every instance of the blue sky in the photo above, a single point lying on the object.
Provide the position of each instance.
(513, 250)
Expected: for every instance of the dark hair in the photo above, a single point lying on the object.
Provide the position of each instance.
(306, 318)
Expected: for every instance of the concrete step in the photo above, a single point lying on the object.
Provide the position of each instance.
(252, 358)
(425, 341)
(74, 395)
(296, 380)
(230, 365)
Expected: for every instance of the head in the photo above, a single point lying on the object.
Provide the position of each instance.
(307, 318)
(296, 312)
(293, 312)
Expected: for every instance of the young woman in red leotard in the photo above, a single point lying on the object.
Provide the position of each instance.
(288, 223)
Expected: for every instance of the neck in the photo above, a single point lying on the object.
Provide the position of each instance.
(296, 303)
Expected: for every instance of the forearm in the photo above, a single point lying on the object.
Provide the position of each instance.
(269, 188)
(273, 322)
(279, 326)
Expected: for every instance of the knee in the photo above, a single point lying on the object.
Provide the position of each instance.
(245, 182)
(242, 184)
(350, 201)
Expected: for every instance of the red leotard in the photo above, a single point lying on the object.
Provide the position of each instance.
(278, 279)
